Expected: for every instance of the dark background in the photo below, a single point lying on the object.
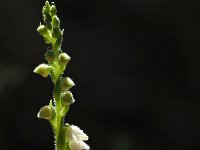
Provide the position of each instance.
(136, 65)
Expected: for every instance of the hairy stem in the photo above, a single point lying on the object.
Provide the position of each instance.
(60, 139)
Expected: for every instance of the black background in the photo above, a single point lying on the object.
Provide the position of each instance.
(136, 65)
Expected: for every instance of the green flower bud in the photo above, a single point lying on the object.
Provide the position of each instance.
(47, 5)
(55, 22)
(45, 113)
(67, 98)
(43, 70)
(53, 10)
(42, 30)
(49, 55)
(47, 40)
(56, 33)
(66, 84)
(43, 11)
(58, 42)
(64, 59)
(48, 21)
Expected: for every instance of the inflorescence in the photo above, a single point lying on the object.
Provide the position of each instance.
(67, 137)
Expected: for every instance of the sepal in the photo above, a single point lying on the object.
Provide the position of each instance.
(64, 59)
(43, 69)
(50, 56)
(45, 113)
(55, 22)
(42, 29)
(47, 5)
(66, 84)
(53, 10)
(67, 98)
(56, 32)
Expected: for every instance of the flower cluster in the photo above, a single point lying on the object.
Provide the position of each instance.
(76, 138)
(67, 137)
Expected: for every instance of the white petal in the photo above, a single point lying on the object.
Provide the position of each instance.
(78, 145)
(78, 133)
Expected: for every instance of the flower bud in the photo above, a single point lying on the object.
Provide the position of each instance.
(56, 22)
(47, 5)
(47, 40)
(58, 42)
(42, 30)
(49, 55)
(53, 10)
(56, 33)
(43, 70)
(43, 11)
(64, 59)
(67, 98)
(48, 20)
(66, 84)
(45, 113)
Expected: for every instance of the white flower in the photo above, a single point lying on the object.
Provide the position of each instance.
(78, 145)
(76, 136)
(75, 133)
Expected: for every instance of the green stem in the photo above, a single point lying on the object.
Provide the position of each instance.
(59, 132)
(60, 141)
